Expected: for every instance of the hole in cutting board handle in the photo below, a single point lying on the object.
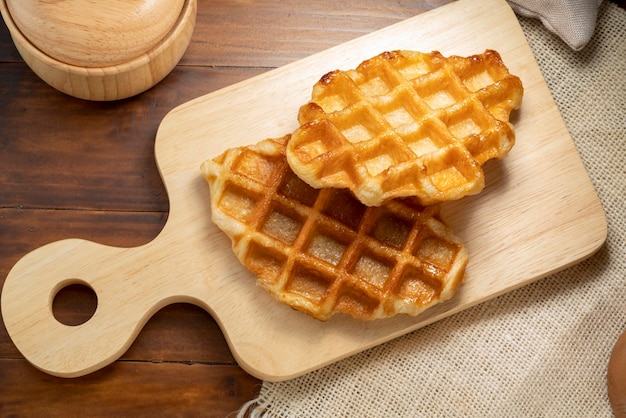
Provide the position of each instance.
(74, 303)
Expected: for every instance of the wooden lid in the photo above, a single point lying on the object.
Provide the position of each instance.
(88, 33)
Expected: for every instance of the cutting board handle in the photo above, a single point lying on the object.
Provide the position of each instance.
(123, 304)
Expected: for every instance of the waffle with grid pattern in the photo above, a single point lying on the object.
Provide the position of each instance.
(321, 251)
(407, 123)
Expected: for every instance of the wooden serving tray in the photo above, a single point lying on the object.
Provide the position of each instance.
(537, 215)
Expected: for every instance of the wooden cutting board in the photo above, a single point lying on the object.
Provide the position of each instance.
(537, 215)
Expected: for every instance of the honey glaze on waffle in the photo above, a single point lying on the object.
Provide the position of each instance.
(321, 251)
(407, 123)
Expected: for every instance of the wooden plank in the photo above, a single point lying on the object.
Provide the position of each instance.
(102, 156)
(183, 333)
(8, 52)
(271, 35)
(136, 389)
(508, 246)
(24, 230)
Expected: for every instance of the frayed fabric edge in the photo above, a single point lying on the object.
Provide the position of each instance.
(253, 409)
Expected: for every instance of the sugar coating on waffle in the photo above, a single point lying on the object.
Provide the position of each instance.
(321, 251)
(407, 123)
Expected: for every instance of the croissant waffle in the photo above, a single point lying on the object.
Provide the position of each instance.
(322, 251)
(407, 123)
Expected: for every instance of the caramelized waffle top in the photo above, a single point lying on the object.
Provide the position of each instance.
(323, 251)
(407, 123)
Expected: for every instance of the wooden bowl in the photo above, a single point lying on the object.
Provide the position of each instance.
(100, 50)
(616, 377)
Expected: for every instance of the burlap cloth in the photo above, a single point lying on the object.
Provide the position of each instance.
(573, 21)
(540, 351)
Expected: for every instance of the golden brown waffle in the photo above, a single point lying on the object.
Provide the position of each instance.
(407, 123)
(322, 251)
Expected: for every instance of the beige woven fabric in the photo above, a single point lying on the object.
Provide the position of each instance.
(573, 21)
(540, 351)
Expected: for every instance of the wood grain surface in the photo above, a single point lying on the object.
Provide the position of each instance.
(117, 199)
(72, 168)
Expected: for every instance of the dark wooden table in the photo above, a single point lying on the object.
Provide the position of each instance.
(73, 168)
